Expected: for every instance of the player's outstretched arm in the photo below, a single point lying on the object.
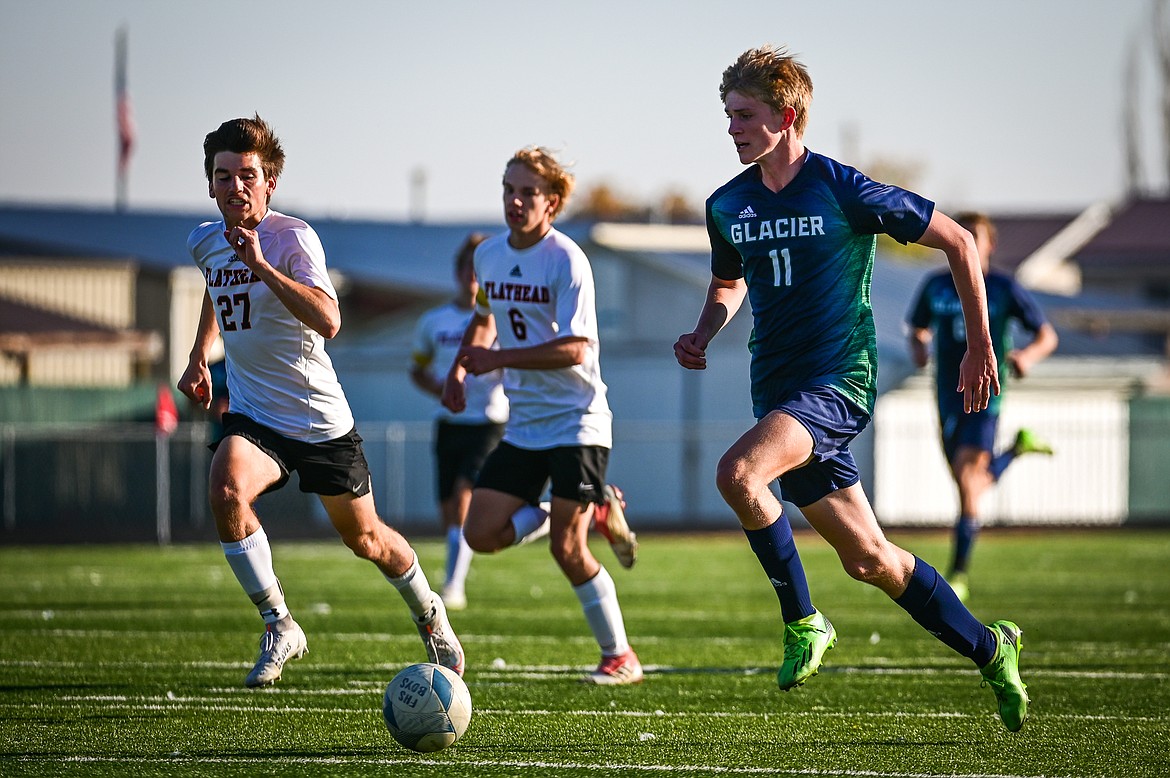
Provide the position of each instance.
(1042, 345)
(978, 372)
(312, 306)
(553, 355)
(723, 300)
(919, 343)
(195, 382)
(480, 333)
(426, 381)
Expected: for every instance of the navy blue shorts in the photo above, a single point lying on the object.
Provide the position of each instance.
(967, 429)
(576, 472)
(833, 420)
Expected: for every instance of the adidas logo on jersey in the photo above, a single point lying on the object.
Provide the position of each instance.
(516, 272)
(747, 213)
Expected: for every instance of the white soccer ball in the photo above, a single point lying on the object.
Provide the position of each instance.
(426, 707)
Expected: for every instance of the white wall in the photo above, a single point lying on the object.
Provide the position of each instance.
(1086, 481)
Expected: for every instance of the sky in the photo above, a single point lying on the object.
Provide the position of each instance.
(1000, 105)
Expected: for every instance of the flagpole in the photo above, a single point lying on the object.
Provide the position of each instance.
(125, 122)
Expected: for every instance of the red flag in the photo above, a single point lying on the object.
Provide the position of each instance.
(166, 414)
(126, 129)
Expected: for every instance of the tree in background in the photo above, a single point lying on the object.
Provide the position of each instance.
(604, 203)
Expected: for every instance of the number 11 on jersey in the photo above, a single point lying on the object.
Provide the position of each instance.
(781, 278)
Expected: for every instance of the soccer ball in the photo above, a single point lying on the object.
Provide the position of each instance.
(426, 707)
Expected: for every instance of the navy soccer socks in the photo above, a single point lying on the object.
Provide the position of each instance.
(966, 531)
(776, 550)
(931, 602)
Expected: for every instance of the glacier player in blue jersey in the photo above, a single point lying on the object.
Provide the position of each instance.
(968, 439)
(795, 234)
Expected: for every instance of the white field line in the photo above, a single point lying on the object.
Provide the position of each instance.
(541, 767)
(230, 703)
(162, 615)
(557, 672)
(407, 635)
(1092, 650)
(75, 616)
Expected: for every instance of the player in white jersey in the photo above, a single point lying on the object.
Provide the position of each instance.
(269, 295)
(462, 441)
(536, 296)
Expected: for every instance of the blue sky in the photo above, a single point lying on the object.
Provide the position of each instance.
(1002, 105)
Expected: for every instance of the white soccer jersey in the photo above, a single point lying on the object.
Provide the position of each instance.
(437, 338)
(539, 294)
(277, 370)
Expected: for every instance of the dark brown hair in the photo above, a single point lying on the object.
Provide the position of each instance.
(466, 253)
(243, 136)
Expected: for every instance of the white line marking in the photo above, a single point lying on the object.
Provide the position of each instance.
(557, 672)
(232, 705)
(454, 764)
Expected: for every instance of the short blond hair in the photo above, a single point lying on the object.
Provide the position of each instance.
(543, 163)
(773, 76)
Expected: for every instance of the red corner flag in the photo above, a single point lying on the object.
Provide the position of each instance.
(166, 415)
(126, 129)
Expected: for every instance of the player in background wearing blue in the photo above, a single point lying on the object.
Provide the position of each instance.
(968, 439)
(536, 296)
(462, 441)
(269, 295)
(795, 234)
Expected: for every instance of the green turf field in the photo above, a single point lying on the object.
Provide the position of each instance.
(130, 661)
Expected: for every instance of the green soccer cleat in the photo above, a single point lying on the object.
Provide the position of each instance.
(805, 644)
(960, 585)
(1028, 443)
(1002, 674)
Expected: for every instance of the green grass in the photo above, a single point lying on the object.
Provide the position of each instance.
(130, 660)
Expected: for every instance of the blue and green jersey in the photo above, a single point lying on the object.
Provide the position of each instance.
(806, 254)
(938, 309)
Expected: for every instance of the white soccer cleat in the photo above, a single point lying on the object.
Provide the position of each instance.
(609, 518)
(617, 670)
(443, 647)
(455, 599)
(276, 648)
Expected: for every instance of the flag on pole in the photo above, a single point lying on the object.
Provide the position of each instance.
(166, 413)
(126, 129)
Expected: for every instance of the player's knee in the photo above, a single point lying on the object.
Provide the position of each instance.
(867, 568)
(481, 545)
(565, 551)
(480, 538)
(733, 478)
(225, 496)
(364, 545)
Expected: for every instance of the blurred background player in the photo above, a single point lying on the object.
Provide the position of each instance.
(219, 397)
(795, 234)
(536, 296)
(968, 439)
(269, 295)
(462, 441)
